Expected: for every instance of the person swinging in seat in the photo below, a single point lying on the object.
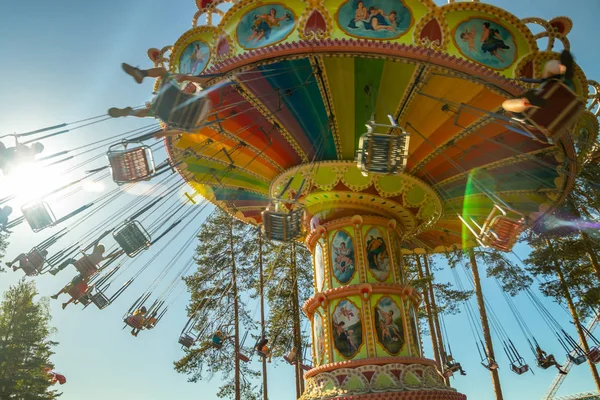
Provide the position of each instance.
(453, 366)
(92, 260)
(138, 319)
(77, 289)
(203, 103)
(263, 350)
(546, 360)
(11, 157)
(31, 263)
(562, 70)
(217, 339)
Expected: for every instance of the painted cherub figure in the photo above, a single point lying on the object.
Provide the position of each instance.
(469, 36)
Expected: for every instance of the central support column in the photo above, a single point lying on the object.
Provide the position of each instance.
(364, 318)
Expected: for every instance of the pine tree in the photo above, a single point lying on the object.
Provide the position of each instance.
(3, 245)
(25, 345)
(212, 298)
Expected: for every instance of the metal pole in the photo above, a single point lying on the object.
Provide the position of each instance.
(235, 314)
(262, 312)
(484, 324)
(573, 310)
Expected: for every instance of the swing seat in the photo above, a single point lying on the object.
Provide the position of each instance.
(86, 267)
(243, 357)
(562, 110)
(519, 369)
(38, 215)
(489, 364)
(100, 300)
(499, 231)
(283, 226)
(290, 357)
(78, 292)
(578, 360)
(35, 263)
(180, 110)
(186, 340)
(382, 153)
(594, 355)
(132, 237)
(136, 323)
(130, 165)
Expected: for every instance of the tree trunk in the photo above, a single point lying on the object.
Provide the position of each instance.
(573, 310)
(235, 314)
(591, 254)
(485, 325)
(429, 311)
(436, 320)
(297, 328)
(262, 313)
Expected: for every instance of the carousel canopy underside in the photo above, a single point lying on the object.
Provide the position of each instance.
(287, 112)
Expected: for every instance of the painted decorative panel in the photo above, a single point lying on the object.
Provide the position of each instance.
(194, 58)
(265, 25)
(374, 19)
(347, 328)
(319, 267)
(319, 338)
(342, 255)
(388, 325)
(378, 259)
(486, 42)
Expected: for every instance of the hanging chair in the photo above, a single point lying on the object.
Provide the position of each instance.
(179, 110)
(383, 153)
(34, 264)
(499, 231)
(243, 357)
(134, 321)
(577, 359)
(99, 299)
(132, 237)
(594, 355)
(86, 267)
(283, 226)
(519, 367)
(290, 357)
(186, 340)
(38, 215)
(562, 110)
(489, 363)
(80, 293)
(130, 165)
(217, 340)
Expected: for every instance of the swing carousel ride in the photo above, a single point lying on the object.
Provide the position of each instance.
(369, 130)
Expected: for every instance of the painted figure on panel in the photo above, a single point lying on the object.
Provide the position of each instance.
(377, 254)
(319, 338)
(486, 42)
(319, 267)
(343, 256)
(194, 58)
(265, 25)
(347, 328)
(388, 324)
(374, 18)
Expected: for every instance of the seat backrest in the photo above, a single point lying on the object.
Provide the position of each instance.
(382, 153)
(132, 237)
(131, 165)
(180, 110)
(38, 216)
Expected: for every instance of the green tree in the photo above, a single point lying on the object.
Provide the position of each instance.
(214, 292)
(3, 245)
(25, 345)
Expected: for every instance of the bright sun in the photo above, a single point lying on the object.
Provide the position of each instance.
(31, 181)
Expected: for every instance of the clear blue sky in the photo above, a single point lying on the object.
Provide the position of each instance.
(61, 63)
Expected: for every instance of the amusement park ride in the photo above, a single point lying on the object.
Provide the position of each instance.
(362, 123)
